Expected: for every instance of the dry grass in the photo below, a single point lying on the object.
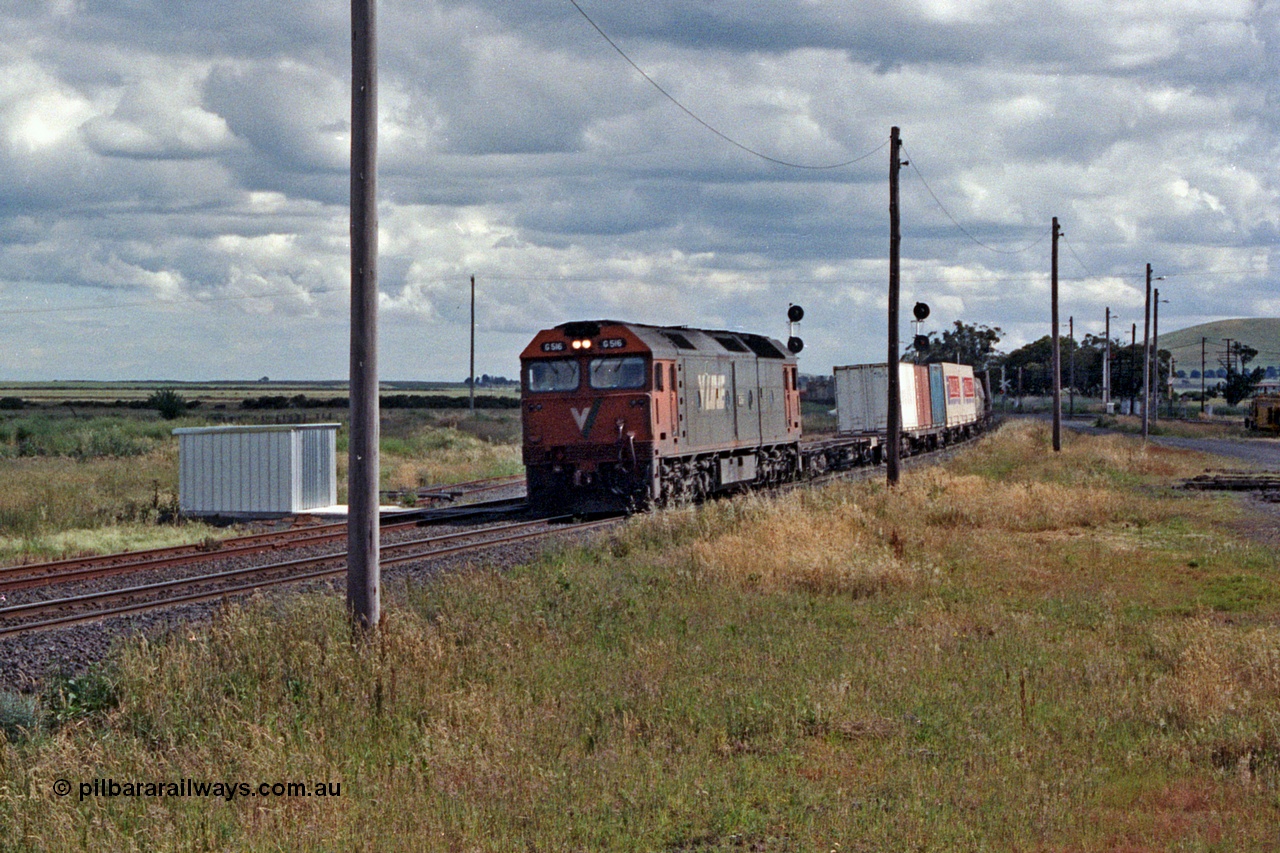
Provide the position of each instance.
(1047, 670)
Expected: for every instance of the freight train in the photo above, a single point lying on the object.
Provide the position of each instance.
(621, 416)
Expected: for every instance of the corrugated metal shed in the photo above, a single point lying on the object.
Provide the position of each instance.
(257, 470)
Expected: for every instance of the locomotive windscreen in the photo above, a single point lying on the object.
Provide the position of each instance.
(559, 374)
(616, 373)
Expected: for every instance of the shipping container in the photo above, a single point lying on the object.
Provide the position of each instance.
(907, 396)
(861, 394)
(961, 394)
(862, 398)
(924, 400)
(933, 397)
(938, 395)
(257, 471)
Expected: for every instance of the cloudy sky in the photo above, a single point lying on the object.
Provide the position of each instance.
(173, 173)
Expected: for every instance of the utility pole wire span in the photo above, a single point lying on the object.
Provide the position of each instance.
(691, 114)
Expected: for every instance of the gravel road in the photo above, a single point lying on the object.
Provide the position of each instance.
(1260, 452)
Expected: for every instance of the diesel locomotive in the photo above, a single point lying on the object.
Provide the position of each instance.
(618, 415)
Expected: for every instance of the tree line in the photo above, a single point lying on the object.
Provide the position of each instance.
(1029, 369)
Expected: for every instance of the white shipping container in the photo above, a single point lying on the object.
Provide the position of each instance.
(257, 470)
(862, 398)
(907, 396)
(861, 395)
(961, 394)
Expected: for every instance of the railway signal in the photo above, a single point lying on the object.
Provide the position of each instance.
(794, 315)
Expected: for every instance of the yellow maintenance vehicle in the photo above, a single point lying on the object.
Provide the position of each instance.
(1264, 413)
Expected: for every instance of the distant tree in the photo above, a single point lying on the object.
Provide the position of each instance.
(1240, 385)
(963, 344)
(169, 403)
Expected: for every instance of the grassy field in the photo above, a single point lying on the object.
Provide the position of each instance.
(1017, 651)
(82, 485)
(228, 394)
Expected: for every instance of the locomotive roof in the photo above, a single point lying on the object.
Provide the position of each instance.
(673, 341)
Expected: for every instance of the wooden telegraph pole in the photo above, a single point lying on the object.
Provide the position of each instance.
(1155, 352)
(894, 425)
(1106, 365)
(363, 573)
(1071, 370)
(472, 383)
(1146, 358)
(1057, 352)
(1202, 386)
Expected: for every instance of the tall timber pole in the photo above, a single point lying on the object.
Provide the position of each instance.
(471, 383)
(1106, 365)
(1057, 351)
(1155, 352)
(1146, 358)
(894, 416)
(363, 571)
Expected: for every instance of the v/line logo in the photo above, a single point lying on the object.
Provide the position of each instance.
(711, 390)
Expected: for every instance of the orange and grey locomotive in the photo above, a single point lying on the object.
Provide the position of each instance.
(623, 415)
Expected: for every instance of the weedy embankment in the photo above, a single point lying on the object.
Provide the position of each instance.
(1016, 651)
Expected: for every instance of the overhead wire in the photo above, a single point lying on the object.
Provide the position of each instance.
(58, 309)
(691, 114)
(912, 162)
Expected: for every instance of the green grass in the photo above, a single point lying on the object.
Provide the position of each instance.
(76, 485)
(1012, 653)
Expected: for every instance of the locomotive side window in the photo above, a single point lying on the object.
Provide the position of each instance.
(559, 374)
(616, 373)
(657, 377)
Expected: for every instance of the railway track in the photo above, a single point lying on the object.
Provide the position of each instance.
(430, 495)
(90, 607)
(72, 610)
(13, 578)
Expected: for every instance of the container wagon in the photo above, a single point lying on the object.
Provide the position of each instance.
(941, 403)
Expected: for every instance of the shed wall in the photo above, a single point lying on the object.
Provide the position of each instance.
(256, 471)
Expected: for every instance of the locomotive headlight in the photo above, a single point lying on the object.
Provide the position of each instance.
(582, 344)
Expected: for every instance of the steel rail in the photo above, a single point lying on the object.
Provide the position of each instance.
(14, 578)
(37, 608)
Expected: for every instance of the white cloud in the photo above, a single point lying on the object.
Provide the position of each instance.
(196, 155)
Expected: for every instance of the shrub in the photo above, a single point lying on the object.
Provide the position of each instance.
(169, 403)
(19, 715)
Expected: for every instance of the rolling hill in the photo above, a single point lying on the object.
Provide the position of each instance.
(1262, 334)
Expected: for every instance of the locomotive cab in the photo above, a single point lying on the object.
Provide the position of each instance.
(586, 410)
(618, 416)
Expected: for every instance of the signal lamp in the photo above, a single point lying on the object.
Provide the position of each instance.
(794, 344)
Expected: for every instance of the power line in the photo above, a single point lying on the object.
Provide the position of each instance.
(963, 230)
(153, 303)
(1083, 265)
(691, 114)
